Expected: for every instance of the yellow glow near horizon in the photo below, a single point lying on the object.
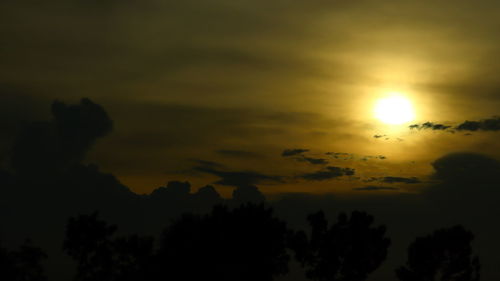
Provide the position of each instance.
(395, 109)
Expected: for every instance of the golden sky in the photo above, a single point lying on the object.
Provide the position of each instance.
(238, 82)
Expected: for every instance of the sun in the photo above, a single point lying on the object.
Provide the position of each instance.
(394, 109)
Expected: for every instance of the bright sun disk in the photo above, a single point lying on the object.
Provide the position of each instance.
(394, 110)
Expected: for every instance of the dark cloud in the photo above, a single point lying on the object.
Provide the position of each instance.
(78, 126)
(469, 126)
(391, 180)
(352, 156)
(61, 142)
(243, 194)
(173, 190)
(466, 168)
(240, 178)
(368, 157)
(293, 152)
(238, 153)
(430, 126)
(411, 180)
(18, 105)
(328, 173)
(374, 188)
(492, 124)
(207, 194)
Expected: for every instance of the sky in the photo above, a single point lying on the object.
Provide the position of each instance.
(246, 94)
(236, 83)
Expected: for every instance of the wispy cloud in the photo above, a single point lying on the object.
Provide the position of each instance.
(330, 172)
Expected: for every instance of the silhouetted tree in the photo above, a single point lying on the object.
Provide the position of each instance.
(445, 255)
(23, 264)
(99, 256)
(349, 250)
(245, 243)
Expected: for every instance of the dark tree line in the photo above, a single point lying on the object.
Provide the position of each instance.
(246, 243)
(445, 254)
(348, 250)
(24, 264)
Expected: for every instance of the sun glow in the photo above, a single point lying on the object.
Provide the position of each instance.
(394, 109)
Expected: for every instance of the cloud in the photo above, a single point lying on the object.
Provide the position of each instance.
(293, 152)
(341, 155)
(391, 180)
(411, 180)
(173, 190)
(466, 168)
(491, 124)
(367, 157)
(240, 178)
(431, 126)
(352, 156)
(251, 193)
(374, 188)
(311, 160)
(300, 157)
(207, 194)
(61, 142)
(329, 172)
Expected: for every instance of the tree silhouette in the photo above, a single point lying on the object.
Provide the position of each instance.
(245, 243)
(23, 264)
(349, 250)
(99, 256)
(445, 255)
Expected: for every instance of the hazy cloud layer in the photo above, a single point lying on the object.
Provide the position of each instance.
(222, 74)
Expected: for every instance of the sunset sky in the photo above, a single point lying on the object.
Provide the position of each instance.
(205, 91)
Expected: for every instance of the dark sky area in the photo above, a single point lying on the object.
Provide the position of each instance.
(239, 95)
